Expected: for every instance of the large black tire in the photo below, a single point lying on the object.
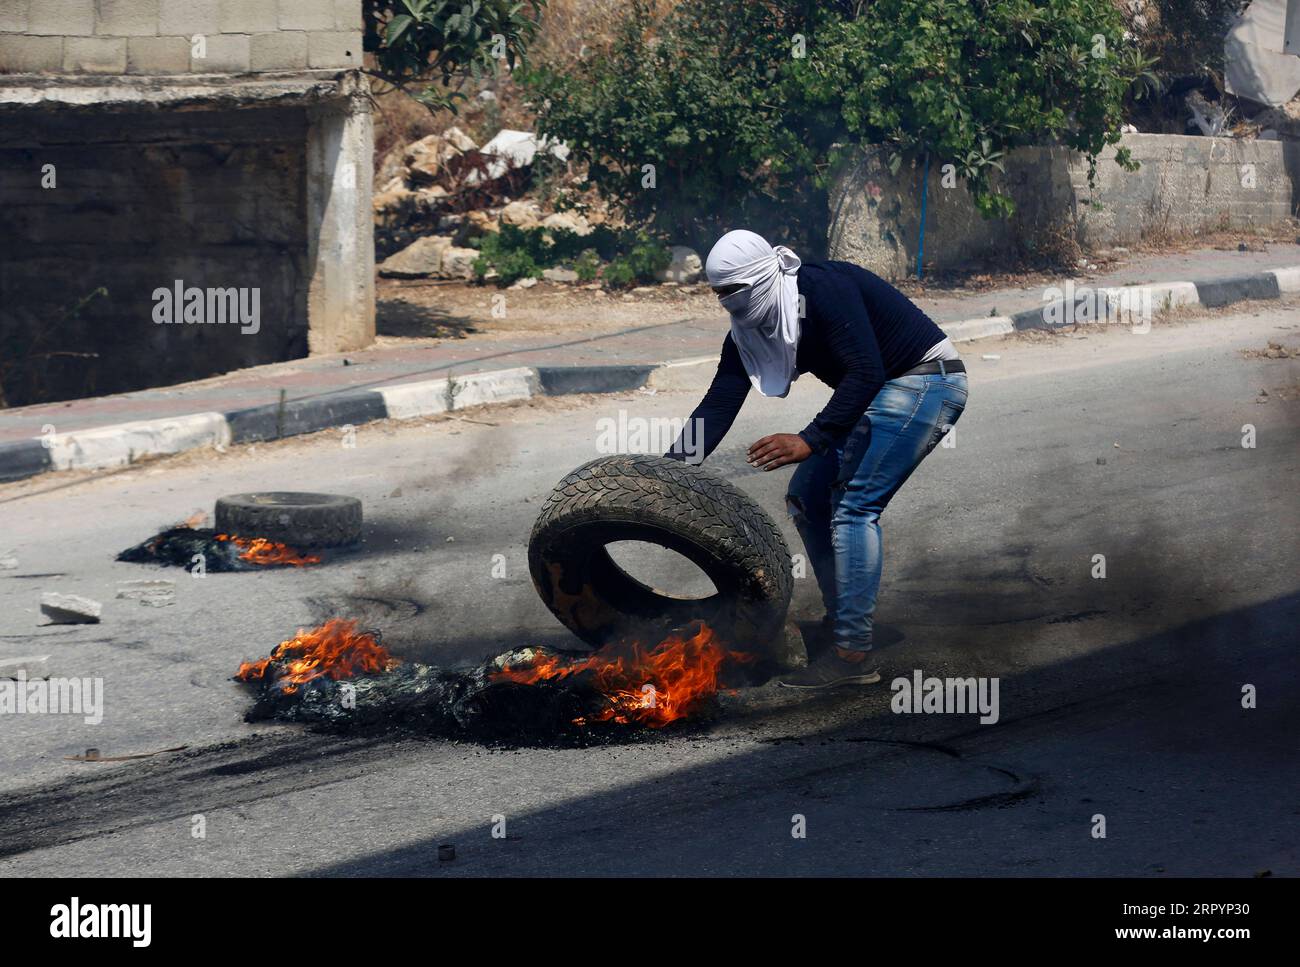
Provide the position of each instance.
(675, 505)
(298, 519)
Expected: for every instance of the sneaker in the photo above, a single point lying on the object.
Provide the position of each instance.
(831, 670)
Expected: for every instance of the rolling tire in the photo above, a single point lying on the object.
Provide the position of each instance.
(297, 519)
(675, 505)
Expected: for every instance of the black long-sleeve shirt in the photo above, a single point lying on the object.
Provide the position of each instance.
(857, 332)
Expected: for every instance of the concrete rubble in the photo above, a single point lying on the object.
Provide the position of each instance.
(70, 609)
(28, 666)
(156, 593)
(438, 194)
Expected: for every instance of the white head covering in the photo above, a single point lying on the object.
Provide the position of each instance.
(765, 315)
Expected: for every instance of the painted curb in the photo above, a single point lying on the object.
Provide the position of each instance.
(968, 330)
(120, 445)
(123, 443)
(23, 458)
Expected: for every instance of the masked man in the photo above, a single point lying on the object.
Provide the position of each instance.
(898, 384)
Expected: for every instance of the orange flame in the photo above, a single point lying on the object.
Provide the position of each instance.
(650, 686)
(259, 550)
(335, 650)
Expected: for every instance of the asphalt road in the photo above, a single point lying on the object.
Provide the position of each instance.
(1119, 697)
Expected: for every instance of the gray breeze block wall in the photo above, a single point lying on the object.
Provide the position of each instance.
(1185, 185)
(224, 143)
(178, 36)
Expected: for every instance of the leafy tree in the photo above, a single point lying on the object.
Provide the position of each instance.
(681, 121)
(968, 80)
(742, 107)
(431, 48)
(1188, 35)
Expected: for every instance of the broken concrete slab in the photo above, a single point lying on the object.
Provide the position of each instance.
(70, 609)
(510, 150)
(150, 593)
(29, 666)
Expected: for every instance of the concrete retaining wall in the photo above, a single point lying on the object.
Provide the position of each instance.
(215, 199)
(1185, 185)
(223, 143)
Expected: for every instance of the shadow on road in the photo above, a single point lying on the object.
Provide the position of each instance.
(1151, 734)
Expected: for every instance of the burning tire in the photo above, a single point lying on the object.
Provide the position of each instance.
(300, 519)
(681, 507)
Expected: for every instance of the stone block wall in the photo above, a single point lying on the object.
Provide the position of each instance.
(156, 37)
(1185, 186)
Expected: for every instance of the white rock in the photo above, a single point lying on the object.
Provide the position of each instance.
(685, 266)
(428, 156)
(423, 257)
(527, 282)
(32, 666)
(70, 609)
(522, 214)
(391, 199)
(568, 220)
(458, 263)
(438, 144)
(512, 149)
(559, 275)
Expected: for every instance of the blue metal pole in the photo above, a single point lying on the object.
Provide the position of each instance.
(920, 241)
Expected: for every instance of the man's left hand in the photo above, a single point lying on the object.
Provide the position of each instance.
(777, 450)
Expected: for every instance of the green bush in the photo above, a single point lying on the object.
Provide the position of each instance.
(642, 260)
(743, 131)
(517, 253)
(587, 265)
(966, 81)
(691, 95)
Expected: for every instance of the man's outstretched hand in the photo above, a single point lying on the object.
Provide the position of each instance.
(777, 450)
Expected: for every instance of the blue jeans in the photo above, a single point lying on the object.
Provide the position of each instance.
(836, 497)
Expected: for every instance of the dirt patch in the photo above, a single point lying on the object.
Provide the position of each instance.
(439, 309)
(1103, 260)
(1274, 350)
